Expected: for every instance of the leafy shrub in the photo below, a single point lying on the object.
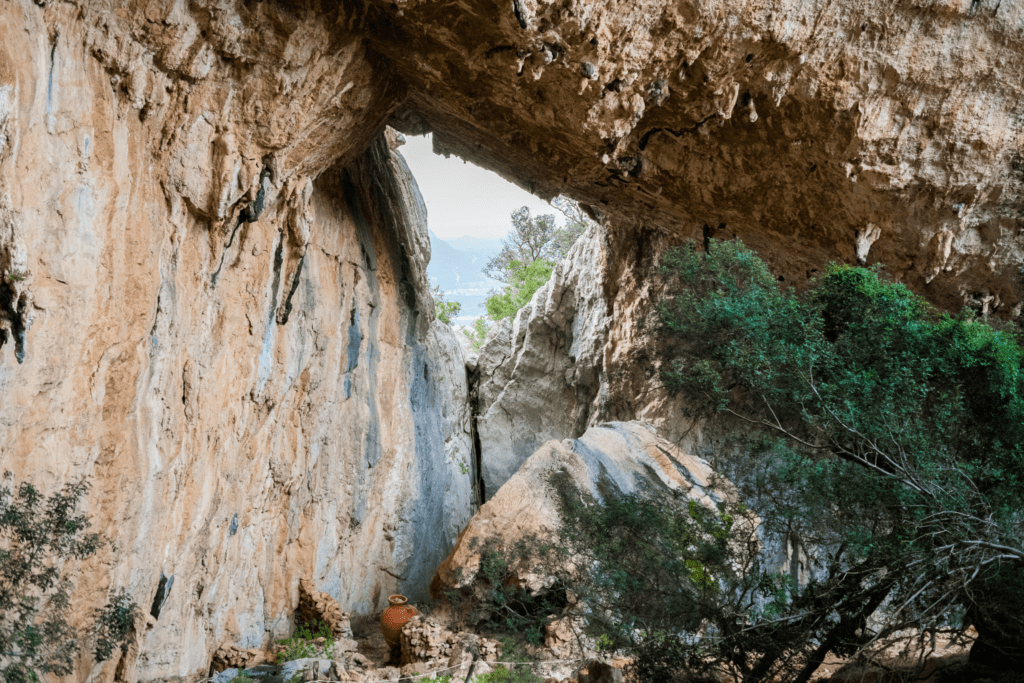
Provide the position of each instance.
(510, 606)
(301, 645)
(537, 238)
(524, 280)
(37, 535)
(477, 334)
(875, 426)
(444, 310)
(885, 435)
(518, 673)
(654, 566)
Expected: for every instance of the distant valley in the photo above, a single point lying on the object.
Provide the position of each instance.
(456, 266)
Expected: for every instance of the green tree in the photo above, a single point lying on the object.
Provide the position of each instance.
(880, 436)
(537, 238)
(524, 280)
(445, 311)
(37, 535)
(526, 261)
(898, 431)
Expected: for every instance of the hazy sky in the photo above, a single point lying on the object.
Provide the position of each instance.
(462, 198)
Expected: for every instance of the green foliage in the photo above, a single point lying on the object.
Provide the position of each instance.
(526, 261)
(511, 605)
(477, 334)
(522, 671)
(518, 673)
(537, 238)
(503, 602)
(873, 425)
(523, 281)
(113, 624)
(301, 645)
(445, 311)
(295, 648)
(658, 565)
(37, 535)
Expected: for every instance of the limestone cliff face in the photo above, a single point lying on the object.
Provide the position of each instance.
(858, 130)
(212, 292)
(573, 359)
(539, 374)
(214, 308)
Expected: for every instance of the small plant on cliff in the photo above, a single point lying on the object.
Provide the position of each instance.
(38, 535)
(476, 334)
(303, 644)
(444, 310)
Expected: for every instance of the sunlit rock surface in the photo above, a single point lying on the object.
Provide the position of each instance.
(624, 457)
(212, 292)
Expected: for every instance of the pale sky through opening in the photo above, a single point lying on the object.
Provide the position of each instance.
(462, 198)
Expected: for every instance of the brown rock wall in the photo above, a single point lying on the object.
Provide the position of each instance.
(212, 290)
(809, 129)
(255, 403)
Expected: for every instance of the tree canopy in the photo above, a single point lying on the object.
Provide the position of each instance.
(526, 261)
(877, 437)
(37, 534)
(537, 238)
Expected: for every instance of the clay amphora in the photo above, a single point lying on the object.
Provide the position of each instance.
(394, 618)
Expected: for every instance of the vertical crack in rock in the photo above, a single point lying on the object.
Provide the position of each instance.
(227, 247)
(283, 319)
(373, 448)
(355, 339)
(520, 12)
(163, 591)
(267, 352)
(473, 398)
(50, 120)
(299, 224)
(252, 212)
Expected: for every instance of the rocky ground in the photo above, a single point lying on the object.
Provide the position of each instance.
(452, 639)
(431, 650)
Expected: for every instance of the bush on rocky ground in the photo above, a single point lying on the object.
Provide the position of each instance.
(38, 535)
(881, 435)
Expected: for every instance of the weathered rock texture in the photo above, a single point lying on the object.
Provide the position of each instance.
(539, 373)
(628, 457)
(219, 263)
(886, 132)
(212, 300)
(574, 358)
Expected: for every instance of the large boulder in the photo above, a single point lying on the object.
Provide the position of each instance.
(538, 373)
(628, 456)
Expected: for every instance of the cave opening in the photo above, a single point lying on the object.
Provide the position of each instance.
(469, 213)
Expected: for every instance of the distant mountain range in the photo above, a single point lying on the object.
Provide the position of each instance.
(456, 265)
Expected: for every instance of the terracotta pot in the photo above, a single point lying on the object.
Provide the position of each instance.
(395, 617)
